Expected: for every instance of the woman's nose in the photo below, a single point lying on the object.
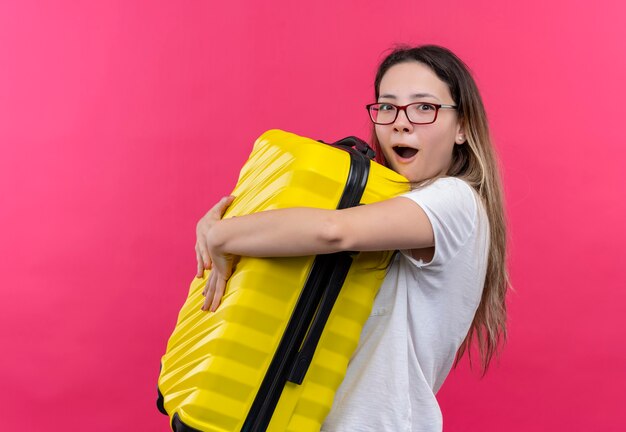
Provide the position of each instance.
(402, 122)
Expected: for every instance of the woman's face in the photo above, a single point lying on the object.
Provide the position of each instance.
(430, 145)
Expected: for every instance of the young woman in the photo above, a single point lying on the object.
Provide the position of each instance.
(446, 287)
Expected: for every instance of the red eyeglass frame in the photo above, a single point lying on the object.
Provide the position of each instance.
(403, 108)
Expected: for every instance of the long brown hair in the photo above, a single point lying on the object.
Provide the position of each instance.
(477, 164)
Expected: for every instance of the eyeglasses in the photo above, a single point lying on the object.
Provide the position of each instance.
(417, 113)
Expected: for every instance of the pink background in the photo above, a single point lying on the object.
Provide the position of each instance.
(122, 122)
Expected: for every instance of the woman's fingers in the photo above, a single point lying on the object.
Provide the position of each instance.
(200, 272)
(206, 285)
(220, 287)
(213, 292)
(210, 289)
(202, 250)
(227, 201)
(219, 209)
(203, 259)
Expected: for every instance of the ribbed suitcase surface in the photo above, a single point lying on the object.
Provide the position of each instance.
(257, 362)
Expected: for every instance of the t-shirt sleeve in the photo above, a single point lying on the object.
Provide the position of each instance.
(451, 207)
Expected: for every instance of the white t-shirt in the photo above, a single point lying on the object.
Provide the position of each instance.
(420, 317)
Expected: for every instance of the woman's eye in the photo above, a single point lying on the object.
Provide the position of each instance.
(425, 107)
(385, 107)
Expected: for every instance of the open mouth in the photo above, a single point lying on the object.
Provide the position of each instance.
(405, 152)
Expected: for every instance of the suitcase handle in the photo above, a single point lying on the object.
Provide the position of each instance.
(357, 143)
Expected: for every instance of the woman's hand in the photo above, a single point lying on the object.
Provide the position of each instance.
(216, 285)
(203, 228)
(209, 258)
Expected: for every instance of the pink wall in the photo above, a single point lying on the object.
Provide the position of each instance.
(122, 122)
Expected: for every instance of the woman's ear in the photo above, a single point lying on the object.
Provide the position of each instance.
(460, 134)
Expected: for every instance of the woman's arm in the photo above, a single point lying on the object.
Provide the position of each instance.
(397, 223)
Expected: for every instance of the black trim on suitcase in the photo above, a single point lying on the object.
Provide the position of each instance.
(160, 402)
(323, 284)
(179, 426)
(353, 191)
(342, 264)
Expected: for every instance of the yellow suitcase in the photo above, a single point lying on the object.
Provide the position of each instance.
(276, 350)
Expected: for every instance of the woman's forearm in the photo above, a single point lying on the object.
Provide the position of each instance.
(274, 233)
